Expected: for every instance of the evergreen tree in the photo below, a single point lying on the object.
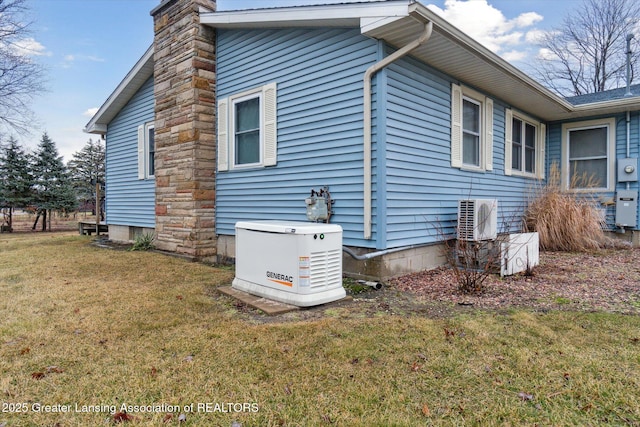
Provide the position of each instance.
(87, 168)
(15, 179)
(54, 190)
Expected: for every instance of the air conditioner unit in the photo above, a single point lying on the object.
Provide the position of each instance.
(298, 263)
(477, 219)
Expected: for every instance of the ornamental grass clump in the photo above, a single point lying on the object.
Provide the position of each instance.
(143, 242)
(566, 221)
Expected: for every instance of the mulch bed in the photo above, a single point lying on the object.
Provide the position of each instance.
(605, 281)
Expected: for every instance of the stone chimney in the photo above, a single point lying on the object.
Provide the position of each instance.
(185, 141)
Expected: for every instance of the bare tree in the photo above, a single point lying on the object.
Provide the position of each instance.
(21, 79)
(587, 53)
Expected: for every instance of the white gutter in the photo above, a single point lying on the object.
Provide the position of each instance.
(367, 117)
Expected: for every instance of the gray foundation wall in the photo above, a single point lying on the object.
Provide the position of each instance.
(380, 268)
(126, 234)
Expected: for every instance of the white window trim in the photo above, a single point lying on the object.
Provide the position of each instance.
(610, 123)
(458, 94)
(233, 101)
(143, 150)
(268, 128)
(541, 134)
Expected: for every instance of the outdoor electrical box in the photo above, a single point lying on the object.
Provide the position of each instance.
(626, 208)
(627, 170)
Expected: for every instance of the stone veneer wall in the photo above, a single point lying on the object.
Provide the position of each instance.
(185, 141)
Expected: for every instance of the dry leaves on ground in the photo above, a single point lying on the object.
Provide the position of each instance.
(606, 280)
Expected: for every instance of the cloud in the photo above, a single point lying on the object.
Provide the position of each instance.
(528, 19)
(70, 59)
(488, 25)
(90, 112)
(95, 58)
(547, 54)
(514, 55)
(30, 47)
(535, 36)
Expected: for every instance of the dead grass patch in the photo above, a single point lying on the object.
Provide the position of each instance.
(106, 327)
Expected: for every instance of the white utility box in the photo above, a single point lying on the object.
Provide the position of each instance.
(298, 263)
(520, 252)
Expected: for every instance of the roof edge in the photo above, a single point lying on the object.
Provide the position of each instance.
(418, 9)
(343, 14)
(142, 70)
(622, 103)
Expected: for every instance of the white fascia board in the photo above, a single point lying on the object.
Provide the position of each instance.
(608, 107)
(349, 14)
(100, 129)
(140, 72)
(420, 12)
(370, 24)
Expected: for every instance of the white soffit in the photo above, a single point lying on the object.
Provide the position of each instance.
(341, 15)
(454, 53)
(448, 50)
(398, 23)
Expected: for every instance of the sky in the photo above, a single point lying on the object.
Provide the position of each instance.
(88, 46)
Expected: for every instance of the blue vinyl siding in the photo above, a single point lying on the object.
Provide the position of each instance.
(634, 149)
(129, 200)
(319, 76)
(555, 155)
(422, 188)
(319, 117)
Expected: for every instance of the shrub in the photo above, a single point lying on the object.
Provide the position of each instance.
(564, 221)
(472, 262)
(143, 242)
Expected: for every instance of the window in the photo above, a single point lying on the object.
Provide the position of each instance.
(524, 145)
(246, 144)
(146, 151)
(471, 139)
(151, 150)
(588, 153)
(471, 129)
(247, 133)
(588, 156)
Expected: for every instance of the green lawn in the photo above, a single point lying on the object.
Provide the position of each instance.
(90, 329)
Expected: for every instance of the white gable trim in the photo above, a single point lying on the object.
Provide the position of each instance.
(122, 94)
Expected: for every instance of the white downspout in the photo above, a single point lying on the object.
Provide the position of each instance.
(367, 117)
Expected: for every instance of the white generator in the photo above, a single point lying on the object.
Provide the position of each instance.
(298, 263)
